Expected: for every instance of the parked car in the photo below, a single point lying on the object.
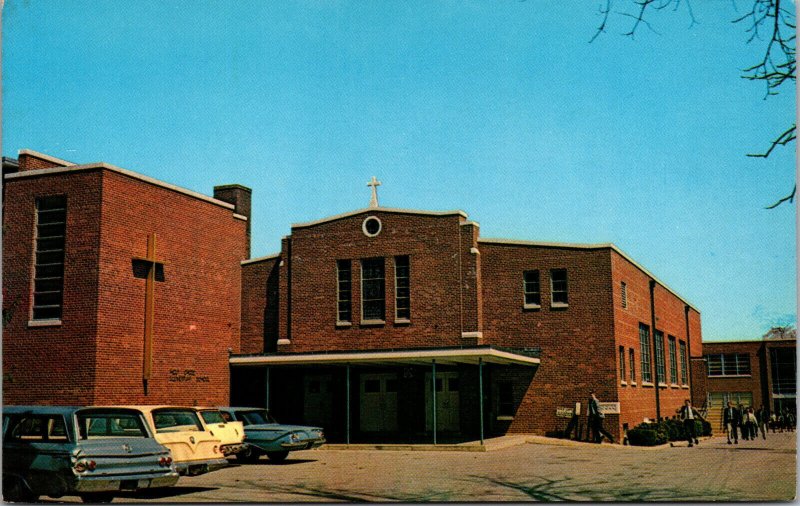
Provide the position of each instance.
(230, 433)
(264, 435)
(195, 449)
(92, 452)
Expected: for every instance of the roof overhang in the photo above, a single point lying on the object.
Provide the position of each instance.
(443, 356)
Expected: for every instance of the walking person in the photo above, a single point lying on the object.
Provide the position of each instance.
(731, 419)
(688, 414)
(750, 424)
(762, 417)
(742, 428)
(596, 420)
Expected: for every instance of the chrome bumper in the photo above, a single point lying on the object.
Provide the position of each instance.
(308, 444)
(194, 468)
(125, 482)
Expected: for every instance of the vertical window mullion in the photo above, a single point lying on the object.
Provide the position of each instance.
(48, 258)
(644, 342)
(344, 291)
(402, 288)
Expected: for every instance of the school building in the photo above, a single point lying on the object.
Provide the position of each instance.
(379, 324)
(751, 373)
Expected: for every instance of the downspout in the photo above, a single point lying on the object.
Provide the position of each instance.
(654, 365)
(688, 350)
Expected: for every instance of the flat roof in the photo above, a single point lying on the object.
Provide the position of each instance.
(119, 170)
(607, 245)
(260, 259)
(417, 356)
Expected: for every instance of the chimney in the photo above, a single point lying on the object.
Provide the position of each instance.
(239, 196)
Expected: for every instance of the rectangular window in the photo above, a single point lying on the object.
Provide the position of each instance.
(532, 290)
(558, 287)
(344, 292)
(644, 343)
(622, 376)
(684, 364)
(48, 281)
(402, 293)
(673, 361)
(624, 293)
(632, 364)
(373, 289)
(783, 363)
(728, 364)
(661, 373)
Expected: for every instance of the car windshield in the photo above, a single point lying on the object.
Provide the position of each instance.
(257, 417)
(99, 424)
(176, 420)
(212, 416)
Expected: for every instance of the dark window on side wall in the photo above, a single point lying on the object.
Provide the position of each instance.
(558, 287)
(532, 289)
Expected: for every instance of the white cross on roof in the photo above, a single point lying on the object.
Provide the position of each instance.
(374, 183)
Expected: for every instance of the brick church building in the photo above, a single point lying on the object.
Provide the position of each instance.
(119, 288)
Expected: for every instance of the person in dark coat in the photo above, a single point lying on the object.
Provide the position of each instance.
(742, 427)
(596, 420)
(762, 416)
(732, 419)
(688, 414)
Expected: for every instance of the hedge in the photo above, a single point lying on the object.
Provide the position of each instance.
(653, 434)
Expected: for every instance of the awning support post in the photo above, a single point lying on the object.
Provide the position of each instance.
(347, 417)
(266, 387)
(480, 394)
(433, 389)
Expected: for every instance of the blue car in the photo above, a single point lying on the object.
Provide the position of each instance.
(263, 435)
(93, 453)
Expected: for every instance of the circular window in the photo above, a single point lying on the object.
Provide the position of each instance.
(371, 226)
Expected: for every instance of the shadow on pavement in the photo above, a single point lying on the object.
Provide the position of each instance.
(267, 462)
(164, 493)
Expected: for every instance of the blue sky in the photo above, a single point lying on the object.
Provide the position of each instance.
(502, 109)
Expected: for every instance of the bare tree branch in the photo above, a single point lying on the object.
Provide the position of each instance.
(789, 198)
(782, 140)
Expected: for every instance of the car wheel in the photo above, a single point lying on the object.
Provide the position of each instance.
(15, 490)
(249, 454)
(277, 456)
(100, 497)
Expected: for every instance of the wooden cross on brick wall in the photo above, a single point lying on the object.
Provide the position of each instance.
(151, 270)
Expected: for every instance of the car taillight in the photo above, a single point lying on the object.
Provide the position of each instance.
(84, 465)
(165, 461)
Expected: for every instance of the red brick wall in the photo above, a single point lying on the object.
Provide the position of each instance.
(197, 307)
(55, 364)
(638, 401)
(750, 383)
(257, 320)
(577, 343)
(432, 244)
(31, 162)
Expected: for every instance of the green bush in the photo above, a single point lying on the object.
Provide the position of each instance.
(652, 434)
(643, 436)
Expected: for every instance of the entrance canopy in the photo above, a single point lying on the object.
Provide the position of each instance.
(474, 355)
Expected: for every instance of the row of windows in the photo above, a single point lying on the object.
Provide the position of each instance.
(728, 364)
(675, 347)
(373, 290)
(559, 293)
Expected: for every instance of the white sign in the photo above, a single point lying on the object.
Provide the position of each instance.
(608, 408)
(564, 412)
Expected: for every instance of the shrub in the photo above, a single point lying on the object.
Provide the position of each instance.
(643, 436)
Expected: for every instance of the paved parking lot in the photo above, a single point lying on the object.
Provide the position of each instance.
(711, 471)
